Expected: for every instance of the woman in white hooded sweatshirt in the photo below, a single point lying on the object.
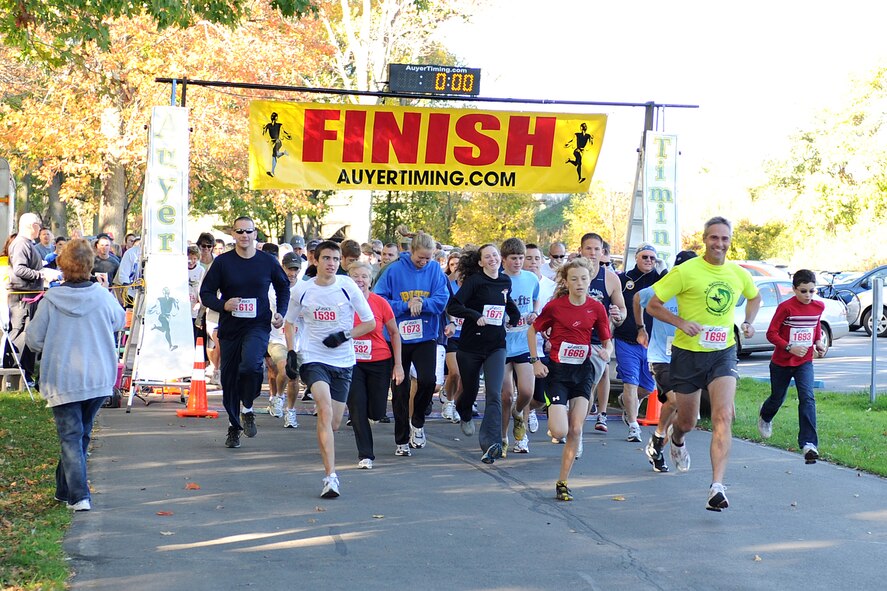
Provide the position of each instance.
(74, 328)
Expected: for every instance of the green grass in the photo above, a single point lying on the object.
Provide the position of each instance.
(32, 523)
(852, 431)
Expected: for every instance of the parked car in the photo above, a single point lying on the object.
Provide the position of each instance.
(762, 269)
(861, 285)
(774, 291)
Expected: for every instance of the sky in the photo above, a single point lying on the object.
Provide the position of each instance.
(758, 70)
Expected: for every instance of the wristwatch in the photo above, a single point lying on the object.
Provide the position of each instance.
(788, 347)
(533, 359)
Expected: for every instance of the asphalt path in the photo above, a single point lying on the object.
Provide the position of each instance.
(173, 509)
(846, 367)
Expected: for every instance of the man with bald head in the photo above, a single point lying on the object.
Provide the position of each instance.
(26, 275)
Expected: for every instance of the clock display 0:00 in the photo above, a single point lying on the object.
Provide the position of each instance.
(457, 82)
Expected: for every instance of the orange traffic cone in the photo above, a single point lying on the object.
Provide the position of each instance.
(197, 398)
(651, 417)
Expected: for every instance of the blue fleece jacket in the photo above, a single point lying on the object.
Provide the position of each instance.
(402, 281)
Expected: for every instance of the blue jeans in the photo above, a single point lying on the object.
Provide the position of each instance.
(780, 377)
(242, 362)
(73, 422)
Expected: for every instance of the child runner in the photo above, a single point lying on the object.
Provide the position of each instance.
(795, 332)
(572, 370)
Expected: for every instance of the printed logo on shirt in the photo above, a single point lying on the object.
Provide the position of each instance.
(719, 298)
(406, 296)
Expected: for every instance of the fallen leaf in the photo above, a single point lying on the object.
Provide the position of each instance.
(619, 498)
(378, 516)
(164, 513)
(192, 486)
(319, 509)
(757, 558)
(167, 533)
(794, 503)
(312, 521)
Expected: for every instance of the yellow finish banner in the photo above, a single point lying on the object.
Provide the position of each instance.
(328, 146)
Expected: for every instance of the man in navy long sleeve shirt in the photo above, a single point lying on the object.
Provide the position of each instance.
(236, 286)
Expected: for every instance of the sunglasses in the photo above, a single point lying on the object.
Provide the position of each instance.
(244, 231)
(378, 252)
(558, 256)
(205, 245)
(648, 257)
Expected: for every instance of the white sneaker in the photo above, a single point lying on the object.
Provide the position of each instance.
(764, 428)
(216, 379)
(417, 437)
(330, 487)
(365, 464)
(634, 433)
(290, 420)
(447, 412)
(456, 418)
(579, 449)
(403, 450)
(717, 498)
(442, 397)
(811, 454)
(80, 506)
(279, 405)
(522, 446)
(680, 457)
(533, 422)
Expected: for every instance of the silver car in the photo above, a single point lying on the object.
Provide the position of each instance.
(773, 291)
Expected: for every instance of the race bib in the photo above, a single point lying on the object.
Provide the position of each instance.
(801, 336)
(458, 322)
(572, 354)
(521, 325)
(668, 343)
(493, 315)
(363, 349)
(713, 337)
(410, 330)
(245, 309)
(325, 314)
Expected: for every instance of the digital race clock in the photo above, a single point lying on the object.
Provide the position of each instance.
(433, 79)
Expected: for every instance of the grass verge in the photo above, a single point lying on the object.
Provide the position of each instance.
(32, 523)
(852, 431)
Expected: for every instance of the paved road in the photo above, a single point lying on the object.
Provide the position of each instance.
(846, 368)
(443, 520)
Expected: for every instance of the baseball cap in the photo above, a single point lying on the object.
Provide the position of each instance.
(683, 257)
(646, 246)
(291, 261)
(312, 244)
(297, 242)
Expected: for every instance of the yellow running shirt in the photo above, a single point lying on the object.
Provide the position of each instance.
(707, 294)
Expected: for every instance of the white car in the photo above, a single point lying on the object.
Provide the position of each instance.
(774, 291)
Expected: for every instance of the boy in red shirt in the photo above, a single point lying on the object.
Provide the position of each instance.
(794, 331)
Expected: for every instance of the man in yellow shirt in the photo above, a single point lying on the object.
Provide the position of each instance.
(704, 348)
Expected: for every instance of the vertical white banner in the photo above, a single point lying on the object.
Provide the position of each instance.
(660, 195)
(166, 183)
(166, 350)
(167, 338)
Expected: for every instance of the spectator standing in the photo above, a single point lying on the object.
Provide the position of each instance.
(106, 262)
(44, 245)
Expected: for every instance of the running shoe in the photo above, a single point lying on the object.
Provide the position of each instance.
(634, 433)
(593, 409)
(417, 437)
(717, 498)
(622, 406)
(456, 418)
(442, 396)
(271, 402)
(533, 422)
(403, 450)
(493, 453)
(306, 397)
(653, 447)
(474, 411)
(233, 439)
(385, 419)
(811, 454)
(562, 492)
(680, 457)
(83, 505)
(601, 423)
(505, 447)
(278, 406)
(365, 464)
(467, 427)
(447, 412)
(522, 446)
(765, 428)
(429, 408)
(330, 487)
(579, 449)
(249, 423)
(520, 426)
(290, 420)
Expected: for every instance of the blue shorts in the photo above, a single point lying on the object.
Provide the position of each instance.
(338, 378)
(632, 366)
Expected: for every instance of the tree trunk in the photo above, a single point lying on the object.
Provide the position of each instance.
(113, 208)
(288, 228)
(57, 212)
